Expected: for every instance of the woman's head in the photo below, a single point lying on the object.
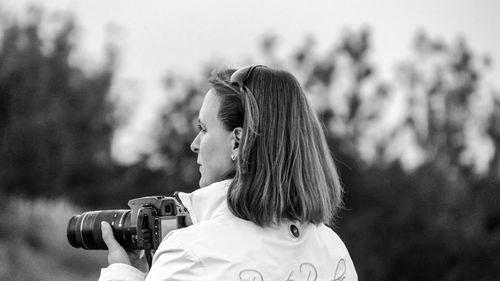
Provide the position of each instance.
(213, 143)
(283, 168)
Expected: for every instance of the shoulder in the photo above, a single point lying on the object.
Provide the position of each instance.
(207, 248)
(333, 240)
(221, 228)
(344, 267)
(329, 232)
(182, 253)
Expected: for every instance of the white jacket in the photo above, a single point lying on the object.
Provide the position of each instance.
(220, 246)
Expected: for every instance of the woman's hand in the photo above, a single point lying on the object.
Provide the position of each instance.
(117, 254)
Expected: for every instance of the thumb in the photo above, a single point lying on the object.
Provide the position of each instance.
(116, 253)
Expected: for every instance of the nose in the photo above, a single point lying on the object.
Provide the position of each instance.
(195, 145)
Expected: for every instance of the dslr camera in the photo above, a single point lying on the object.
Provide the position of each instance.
(142, 227)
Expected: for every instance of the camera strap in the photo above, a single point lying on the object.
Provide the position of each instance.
(149, 257)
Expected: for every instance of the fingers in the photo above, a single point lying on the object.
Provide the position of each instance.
(116, 253)
(138, 260)
(108, 237)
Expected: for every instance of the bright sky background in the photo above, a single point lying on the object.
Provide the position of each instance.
(160, 36)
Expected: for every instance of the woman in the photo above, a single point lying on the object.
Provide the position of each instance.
(268, 187)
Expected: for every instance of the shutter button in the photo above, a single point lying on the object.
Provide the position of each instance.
(294, 230)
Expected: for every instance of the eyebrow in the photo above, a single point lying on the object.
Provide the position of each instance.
(200, 122)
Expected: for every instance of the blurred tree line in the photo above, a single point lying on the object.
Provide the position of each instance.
(419, 155)
(57, 119)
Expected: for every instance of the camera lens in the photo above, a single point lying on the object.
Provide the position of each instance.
(84, 231)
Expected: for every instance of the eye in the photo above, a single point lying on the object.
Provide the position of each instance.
(201, 129)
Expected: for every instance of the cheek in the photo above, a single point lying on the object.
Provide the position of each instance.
(206, 147)
(215, 154)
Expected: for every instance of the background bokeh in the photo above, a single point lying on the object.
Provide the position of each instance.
(416, 139)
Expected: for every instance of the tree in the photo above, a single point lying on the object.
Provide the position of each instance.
(55, 127)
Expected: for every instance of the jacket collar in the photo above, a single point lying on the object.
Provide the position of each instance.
(207, 202)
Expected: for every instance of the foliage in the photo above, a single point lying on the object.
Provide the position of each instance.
(54, 132)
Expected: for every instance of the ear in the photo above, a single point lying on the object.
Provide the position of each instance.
(235, 139)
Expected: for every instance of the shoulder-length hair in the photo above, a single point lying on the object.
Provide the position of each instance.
(284, 170)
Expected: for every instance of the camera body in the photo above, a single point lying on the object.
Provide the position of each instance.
(154, 217)
(143, 227)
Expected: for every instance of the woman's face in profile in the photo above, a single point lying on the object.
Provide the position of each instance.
(213, 143)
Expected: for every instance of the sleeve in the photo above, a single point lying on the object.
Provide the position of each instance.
(121, 272)
(174, 262)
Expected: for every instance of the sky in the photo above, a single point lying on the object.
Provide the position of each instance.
(162, 36)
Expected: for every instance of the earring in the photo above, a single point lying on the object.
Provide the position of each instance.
(233, 156)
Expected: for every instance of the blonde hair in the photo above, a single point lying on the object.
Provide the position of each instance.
(284, 170)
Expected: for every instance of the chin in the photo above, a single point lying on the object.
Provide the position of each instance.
(201, 184)
(204, 182)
